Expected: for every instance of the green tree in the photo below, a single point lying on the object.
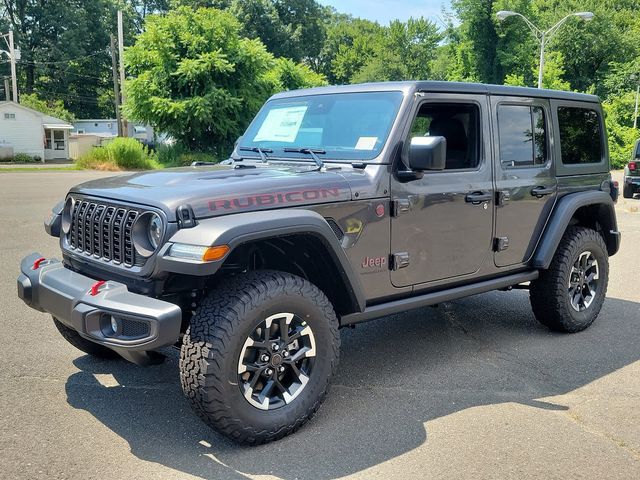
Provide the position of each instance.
(479, 39)
(288, 28)
(196, 78)
(55, 108)
(285, 74)
(619, 117)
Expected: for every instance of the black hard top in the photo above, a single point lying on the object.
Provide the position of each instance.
(450, 87)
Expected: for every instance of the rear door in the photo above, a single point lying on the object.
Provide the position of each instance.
(526, 187)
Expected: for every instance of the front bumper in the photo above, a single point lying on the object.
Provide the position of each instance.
(632, 181)
(143, 323)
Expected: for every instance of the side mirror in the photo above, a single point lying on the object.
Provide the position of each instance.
(427, 153)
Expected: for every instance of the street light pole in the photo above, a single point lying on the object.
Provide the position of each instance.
(541, 36)
(541, 68)
(635, 114)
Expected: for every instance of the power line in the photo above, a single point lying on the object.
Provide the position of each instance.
(66, 61)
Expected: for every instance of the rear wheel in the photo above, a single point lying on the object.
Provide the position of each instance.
(627, 191)
(258, 356)
(569, 295)
(83, 344)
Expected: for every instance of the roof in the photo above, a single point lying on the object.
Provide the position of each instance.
(444, 87)
(94, 120)
(47, 120)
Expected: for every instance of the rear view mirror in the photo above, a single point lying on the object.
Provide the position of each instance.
(427, 153)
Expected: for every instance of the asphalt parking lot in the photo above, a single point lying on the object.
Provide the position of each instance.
(473, 389)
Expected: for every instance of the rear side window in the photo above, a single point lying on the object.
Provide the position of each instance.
(580, 135)
(523, 135)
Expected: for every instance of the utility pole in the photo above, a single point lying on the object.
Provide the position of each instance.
(14, 77)
(116, 87)
(13, 56)
(125, 127)
(7, 91)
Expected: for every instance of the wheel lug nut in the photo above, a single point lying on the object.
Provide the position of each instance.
(275, 347)
(285, 354)
(281, 369)
(268, 371)
(264, 357)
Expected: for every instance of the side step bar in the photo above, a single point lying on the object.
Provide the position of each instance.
(397, 306)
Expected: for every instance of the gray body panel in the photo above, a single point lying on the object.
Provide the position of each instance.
(448, 242)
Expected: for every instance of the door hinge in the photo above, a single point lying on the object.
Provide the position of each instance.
(500, 244)
(400, 206)
(399, 260)
(502, 197)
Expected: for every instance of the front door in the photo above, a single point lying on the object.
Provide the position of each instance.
(525, 183)
(442, 223)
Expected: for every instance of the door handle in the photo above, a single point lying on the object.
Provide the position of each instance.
(476, 198)
(541, 191)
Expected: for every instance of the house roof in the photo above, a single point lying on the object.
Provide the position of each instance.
(48, 121)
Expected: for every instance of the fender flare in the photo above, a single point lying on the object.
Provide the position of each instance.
(561, 217)
(238, 229)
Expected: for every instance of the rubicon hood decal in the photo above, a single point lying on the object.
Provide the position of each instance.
(311, 195)
(222, 190)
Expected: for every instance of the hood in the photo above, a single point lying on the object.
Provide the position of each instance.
(220, 190)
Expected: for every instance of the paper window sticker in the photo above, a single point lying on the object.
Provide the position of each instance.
(281, 125)
(366, 143)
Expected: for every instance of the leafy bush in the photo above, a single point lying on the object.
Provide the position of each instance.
(179, 156)
(20, 158)
(119, 154)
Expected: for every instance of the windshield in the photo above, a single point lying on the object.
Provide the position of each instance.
(346, 126)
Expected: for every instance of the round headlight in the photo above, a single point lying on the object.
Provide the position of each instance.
(67, 212)
(155, 231)
(148, 231)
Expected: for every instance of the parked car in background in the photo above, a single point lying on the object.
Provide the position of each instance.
(631, 182)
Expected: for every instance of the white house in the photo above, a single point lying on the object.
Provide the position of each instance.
(24, 130)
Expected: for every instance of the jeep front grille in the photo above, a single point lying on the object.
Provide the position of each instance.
(103, 231)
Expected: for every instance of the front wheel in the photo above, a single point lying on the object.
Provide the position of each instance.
(569, 295)
(258, 356)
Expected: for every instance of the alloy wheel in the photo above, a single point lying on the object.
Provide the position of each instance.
(276, 361)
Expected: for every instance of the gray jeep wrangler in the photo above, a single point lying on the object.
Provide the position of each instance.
(337, 206)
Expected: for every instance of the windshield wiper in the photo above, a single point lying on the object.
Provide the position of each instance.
(261, 151)
(309, 151)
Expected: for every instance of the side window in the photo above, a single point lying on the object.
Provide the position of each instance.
(523, 135)
(580, 135)
(459, 123)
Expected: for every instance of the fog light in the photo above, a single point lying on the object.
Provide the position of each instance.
(114, 324)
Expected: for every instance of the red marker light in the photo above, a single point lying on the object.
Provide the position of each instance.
(36, 264)
(380, 210)
(95, 289)
(632, 166)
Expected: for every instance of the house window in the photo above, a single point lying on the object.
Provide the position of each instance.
(58, 139)
(80, 131)
(109, 125)
(9, 116)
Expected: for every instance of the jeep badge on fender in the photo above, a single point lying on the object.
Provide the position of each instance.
(251, 267)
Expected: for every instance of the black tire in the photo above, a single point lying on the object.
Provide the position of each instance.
(549, 294)
(627, 191)
(215, 344)
(83, 344)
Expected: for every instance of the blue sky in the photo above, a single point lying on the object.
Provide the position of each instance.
(383, 11)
